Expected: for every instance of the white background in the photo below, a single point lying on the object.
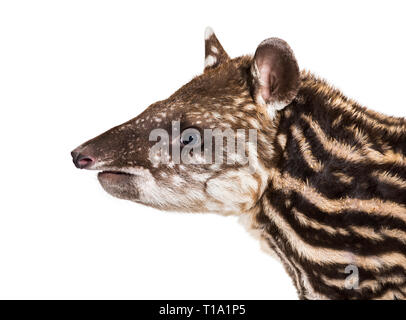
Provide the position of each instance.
(70, 70)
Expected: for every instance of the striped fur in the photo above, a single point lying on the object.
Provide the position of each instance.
(337, 196)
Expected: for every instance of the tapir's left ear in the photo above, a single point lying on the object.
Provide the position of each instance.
(214, 52)
(275, 74)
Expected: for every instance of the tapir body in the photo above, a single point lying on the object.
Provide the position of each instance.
(320, 179)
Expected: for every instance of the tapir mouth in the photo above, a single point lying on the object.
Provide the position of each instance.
(115, 172)
(114, 176)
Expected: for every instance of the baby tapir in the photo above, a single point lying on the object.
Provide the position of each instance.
(320, 179)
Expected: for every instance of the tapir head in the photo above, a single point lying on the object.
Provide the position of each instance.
(169, 156)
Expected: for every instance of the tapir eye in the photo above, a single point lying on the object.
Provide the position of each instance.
(190, 137)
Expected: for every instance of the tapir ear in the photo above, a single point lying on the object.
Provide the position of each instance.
(214, 52)
(276, 75)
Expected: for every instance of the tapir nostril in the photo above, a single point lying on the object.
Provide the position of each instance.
(81, 161)
(84, 162)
